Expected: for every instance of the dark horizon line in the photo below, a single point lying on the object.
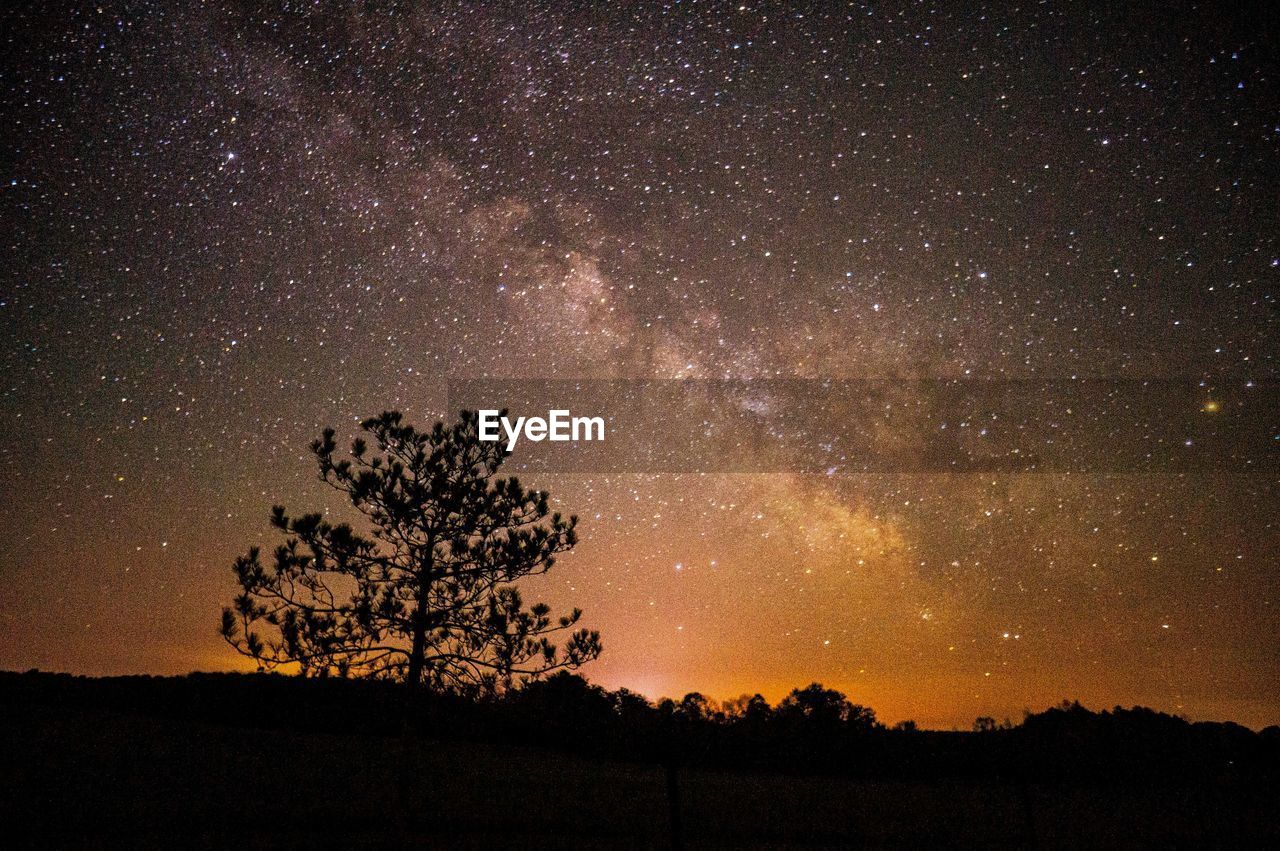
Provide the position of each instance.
(652, 701)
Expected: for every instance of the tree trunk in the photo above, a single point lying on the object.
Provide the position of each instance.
(419, 649)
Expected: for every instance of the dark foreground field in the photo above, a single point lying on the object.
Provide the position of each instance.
(85, 776)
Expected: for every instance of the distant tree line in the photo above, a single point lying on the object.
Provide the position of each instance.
(813, 730)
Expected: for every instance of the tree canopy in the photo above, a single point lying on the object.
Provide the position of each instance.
(426, 592)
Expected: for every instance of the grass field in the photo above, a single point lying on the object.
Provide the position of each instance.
(97, 778)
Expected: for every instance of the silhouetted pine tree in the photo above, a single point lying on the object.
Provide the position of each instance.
(426, 596)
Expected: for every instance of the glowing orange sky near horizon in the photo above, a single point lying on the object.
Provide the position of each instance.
(784, 592)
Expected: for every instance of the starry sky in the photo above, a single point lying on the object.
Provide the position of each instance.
(230, 225)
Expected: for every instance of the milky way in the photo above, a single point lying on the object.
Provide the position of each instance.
(229, 227)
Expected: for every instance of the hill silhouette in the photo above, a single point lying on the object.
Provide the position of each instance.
(275, 760)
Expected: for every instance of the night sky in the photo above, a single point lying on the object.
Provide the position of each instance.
(229, 226)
